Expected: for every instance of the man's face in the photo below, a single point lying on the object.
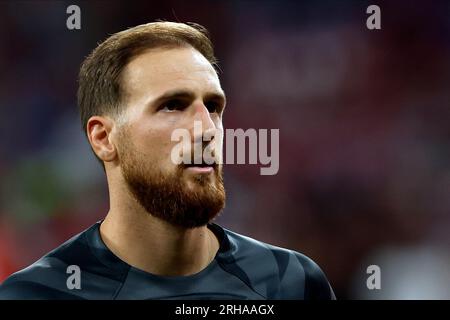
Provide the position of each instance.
(165, 90)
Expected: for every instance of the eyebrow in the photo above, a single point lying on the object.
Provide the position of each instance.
(187, 94)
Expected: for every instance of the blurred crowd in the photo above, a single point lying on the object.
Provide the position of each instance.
(364, 119)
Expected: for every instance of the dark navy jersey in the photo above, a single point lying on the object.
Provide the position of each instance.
(243, 268)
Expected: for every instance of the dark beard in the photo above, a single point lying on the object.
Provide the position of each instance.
(167, 197)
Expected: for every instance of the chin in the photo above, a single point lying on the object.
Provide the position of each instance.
(199, 182)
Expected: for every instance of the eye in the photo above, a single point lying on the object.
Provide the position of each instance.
(172, 105)
(213, 107)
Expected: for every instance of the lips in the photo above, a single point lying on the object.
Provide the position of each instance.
(202, 163)
(202, 167)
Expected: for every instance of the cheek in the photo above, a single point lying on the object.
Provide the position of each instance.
(219, 149)
(152, 143)
(161, 146)
(152, 139)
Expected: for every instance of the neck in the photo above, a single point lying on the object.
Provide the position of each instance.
(153, 245)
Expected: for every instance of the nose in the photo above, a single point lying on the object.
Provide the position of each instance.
(204, 116)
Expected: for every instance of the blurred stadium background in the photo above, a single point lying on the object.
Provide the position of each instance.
(364, 119)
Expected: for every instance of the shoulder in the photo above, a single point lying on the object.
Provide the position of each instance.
(276, 272)
(47, 278)
(44, 279)
(317, 286)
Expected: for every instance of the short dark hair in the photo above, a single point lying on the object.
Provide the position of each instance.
(99, 83)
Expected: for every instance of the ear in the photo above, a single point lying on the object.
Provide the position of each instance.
(99, 131)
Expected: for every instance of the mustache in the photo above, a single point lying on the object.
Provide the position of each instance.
(202, 153)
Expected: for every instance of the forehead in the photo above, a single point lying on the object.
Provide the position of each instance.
(158, 70)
